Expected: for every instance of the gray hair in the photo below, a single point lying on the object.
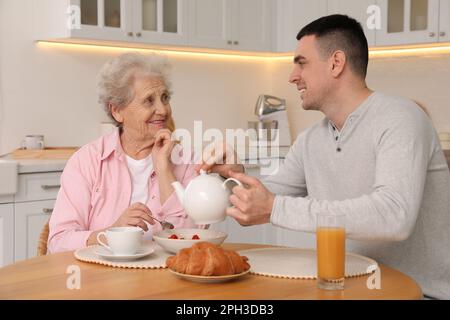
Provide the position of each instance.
(116, 78)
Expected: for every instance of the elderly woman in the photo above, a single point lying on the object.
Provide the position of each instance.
(124, 178)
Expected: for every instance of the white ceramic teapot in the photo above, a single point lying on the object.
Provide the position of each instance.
(205, 198)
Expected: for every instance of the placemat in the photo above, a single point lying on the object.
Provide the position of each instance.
(295, 263)
(155, 260)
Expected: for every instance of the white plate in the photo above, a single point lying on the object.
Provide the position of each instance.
(209, 279)
(105, 253)
(175, 245)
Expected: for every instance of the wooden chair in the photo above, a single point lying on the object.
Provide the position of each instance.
(42, 243)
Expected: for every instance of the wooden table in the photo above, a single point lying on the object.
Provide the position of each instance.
(45, 278)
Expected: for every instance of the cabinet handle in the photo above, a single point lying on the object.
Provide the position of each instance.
(138, 34)
(47, 210)
(130, 34)
(432, 34)
(230, 42)
(50, 186)
(442, 34)
(236, 42)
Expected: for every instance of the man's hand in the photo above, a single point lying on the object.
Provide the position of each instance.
(252, 205)
(220, 158)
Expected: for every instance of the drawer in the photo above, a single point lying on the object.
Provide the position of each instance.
(6, 199)
(38, 186)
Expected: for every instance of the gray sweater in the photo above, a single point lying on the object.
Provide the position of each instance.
(386, 171)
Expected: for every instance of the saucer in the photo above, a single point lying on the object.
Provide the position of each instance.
(209, 279)
(106, 254)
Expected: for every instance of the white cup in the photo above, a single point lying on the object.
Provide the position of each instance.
(33, 142)
(122, 240)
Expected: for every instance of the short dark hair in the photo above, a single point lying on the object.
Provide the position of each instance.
(340, 32)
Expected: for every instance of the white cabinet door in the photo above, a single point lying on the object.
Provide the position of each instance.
(252, 234)
(356, 9)
(244, 25)
(6, 234)
(408, 22)
(444, 20)
(210, 23)
(160, 21)
(261, 234)
(104, 19)
(292, 16)
(292, 238)
(30, 218)
(252, 25)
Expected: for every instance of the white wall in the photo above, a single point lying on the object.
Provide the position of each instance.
(425, 79)
(52, 90)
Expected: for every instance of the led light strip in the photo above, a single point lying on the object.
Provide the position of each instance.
(212, 53)
(183, 52)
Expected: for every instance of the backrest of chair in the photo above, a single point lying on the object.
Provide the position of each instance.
(42, 243)
(447, 155)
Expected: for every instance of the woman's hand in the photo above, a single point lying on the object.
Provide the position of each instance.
(162, 150)
(220, 158)
(161, 153)
(135, 216)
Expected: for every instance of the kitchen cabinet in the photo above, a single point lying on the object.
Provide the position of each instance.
(252, 24)
(30, 218)
(270, 234)
(6, 234)
(292, 16)
(160, 21)
(292, 238)
(208, 23)
(226, 24)
(82, 19)
(356, 9)
(138, 21)
(231, 24)
(409, 21)
(262, 234)
(33, 205)
(444, 20)
(238, 25)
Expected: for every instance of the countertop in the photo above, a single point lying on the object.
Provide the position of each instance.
(249, 160)
(248, 157)
(36, 166)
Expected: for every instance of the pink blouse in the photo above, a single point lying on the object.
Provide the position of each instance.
(96, 190)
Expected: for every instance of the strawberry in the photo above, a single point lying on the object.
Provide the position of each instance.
(174, 236)
(195, 237)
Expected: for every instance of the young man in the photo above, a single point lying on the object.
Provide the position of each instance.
(374, 157)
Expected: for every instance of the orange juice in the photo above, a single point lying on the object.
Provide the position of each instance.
(330, 253)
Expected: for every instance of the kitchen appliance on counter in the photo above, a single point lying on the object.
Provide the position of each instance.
(272, 126)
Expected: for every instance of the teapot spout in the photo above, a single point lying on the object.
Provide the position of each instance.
(179, 191)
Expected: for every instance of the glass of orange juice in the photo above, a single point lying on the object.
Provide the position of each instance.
(330, 235)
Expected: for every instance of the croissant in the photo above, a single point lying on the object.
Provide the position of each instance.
(207, 259)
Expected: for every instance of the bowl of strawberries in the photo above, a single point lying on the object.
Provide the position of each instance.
(173, 240)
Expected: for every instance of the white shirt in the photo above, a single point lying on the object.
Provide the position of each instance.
(140, 171)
